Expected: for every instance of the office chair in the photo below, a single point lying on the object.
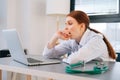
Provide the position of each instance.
(4, 53)
(118, 57)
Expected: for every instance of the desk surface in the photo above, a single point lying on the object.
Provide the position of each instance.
(57, 71)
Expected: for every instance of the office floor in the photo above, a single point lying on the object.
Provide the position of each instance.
(20, 77)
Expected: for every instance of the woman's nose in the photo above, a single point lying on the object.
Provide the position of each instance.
(66, 28)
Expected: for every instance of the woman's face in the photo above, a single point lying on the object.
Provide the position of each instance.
(75, 29)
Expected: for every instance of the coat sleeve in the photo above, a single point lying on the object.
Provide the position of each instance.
(94, 48)
(57, 51)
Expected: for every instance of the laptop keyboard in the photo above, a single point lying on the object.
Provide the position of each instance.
(31, 60)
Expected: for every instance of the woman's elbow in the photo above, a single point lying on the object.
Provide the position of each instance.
(72, 60)
(45, 55)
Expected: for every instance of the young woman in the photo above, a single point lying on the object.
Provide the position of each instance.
(80, 41)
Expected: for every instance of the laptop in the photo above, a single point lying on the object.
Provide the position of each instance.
(17, 52)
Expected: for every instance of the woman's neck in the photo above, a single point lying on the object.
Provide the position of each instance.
(79, 37)
(78, 40)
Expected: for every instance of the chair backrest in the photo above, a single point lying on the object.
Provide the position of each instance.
(4, 53)
(118, 57)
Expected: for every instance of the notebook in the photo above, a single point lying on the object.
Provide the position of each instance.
(17, 52)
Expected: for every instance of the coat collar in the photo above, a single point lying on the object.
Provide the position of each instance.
(84, 37)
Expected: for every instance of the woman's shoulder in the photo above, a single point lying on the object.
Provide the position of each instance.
(94, 34)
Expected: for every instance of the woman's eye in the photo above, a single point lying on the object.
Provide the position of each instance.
(70, 23)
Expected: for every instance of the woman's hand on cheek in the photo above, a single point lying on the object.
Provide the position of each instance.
(64, 35)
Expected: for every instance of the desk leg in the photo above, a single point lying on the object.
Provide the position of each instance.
(50, 79)
(0, 74)
(29, 77)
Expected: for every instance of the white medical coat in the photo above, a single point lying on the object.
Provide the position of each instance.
(91, 46)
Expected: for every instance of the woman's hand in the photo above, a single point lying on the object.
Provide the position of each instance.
(63, 34)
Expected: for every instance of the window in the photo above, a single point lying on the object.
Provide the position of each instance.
(97, 9)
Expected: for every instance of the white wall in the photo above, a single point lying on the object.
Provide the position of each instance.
(3, 13)
(3, 21)
(31, 21)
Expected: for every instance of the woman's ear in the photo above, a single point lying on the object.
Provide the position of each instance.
(82, 25)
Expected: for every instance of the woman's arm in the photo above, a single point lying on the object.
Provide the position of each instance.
(52, 43)
(57, 51)
(53, 50)
(94, 48)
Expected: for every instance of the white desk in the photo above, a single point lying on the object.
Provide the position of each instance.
(57, 71)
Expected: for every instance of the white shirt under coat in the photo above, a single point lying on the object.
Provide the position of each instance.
(91, 46)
